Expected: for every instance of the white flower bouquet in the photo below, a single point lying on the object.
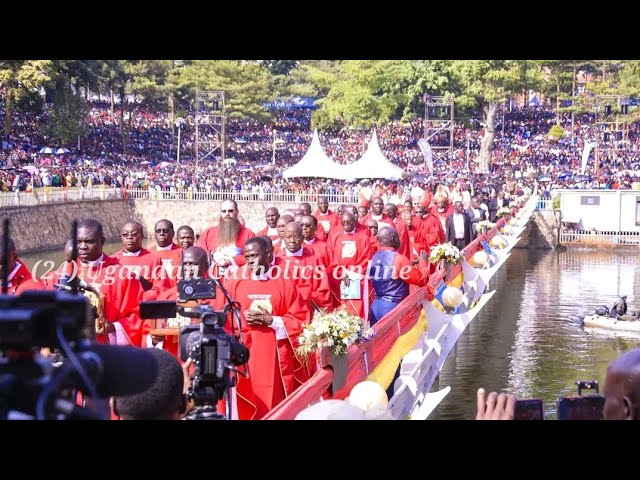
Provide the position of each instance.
(485, 225)
(503, 212)
(447, 251)
(337, 330)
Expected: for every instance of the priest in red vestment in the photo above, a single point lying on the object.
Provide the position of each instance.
(272, 314)
(144, 265)
(326, 218)
(120, 292)
(305, 269)
(166, 249)
(351, 251)
(224, 242)
(271, 215)
(19, 278)
(319, 248)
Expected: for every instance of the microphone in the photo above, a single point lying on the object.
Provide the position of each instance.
(116, 370)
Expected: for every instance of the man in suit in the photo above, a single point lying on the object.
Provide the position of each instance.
(495, 203)
(459, 227)
(476, 214)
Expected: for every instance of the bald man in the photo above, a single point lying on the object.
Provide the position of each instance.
(392, 273)
(271, 216)
(143, 264)
(305, 269)
(165, 248)
(195, 265)
(326, 218)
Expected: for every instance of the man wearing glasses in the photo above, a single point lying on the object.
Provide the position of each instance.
(165, 248)
(225, 241)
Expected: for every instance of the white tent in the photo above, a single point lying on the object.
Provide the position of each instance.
(373, 164)
(315, 163)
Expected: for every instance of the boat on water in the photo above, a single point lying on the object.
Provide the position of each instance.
(610, 323)
(418, 334)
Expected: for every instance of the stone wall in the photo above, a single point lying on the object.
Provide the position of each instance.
(46, 227)
(541, 231)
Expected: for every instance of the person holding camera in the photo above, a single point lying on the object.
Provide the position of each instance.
(621, 393)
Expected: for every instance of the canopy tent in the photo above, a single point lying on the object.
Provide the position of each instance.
(315, 163)
(373, 164)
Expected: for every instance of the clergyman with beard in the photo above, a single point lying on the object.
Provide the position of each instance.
(225, 241)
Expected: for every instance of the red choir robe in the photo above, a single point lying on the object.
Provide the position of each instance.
(416, 241)
(326, 221)
(22, 280)
(351, 251)
(442, 216)
(383, 220)
(148, 266)
(431, 231)
(273, 234)
(171, 260)
(209, 242)
(310, 277)
(275, 367)
(121, 298)
(320, 249)
(405, 245)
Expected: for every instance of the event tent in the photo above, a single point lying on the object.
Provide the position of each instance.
(373, 164)
(315, 163)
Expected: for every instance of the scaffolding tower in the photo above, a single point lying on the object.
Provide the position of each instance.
(210, 125)
(612, 131)
(439, 124)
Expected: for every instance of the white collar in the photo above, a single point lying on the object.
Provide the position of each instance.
(265, 276)
(309, 242)
(13, 274)
(131, 254)
(377, 217)
(352, 232)
(98, 260)
(168, 247)
(294, 254)
(324, 214)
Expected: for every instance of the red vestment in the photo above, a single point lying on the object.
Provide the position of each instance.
(326, 221)
(275, 368)
(209, 241)
(171, 259)
(22, 281)
(310, 277)
(121, 296)
(148, 266)
(351, 251)
(320, 249)
(442, 216)
(272, 233)
(431, 231)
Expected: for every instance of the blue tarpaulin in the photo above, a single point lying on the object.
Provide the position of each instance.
(294, 103)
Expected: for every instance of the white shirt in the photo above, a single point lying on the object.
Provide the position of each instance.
(294, 254)
(125, 253)
(458, 225)
(158, 247)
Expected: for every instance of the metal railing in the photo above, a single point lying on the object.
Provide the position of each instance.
(544, 204)
(79, 194)
(58, 195)
(582, 237)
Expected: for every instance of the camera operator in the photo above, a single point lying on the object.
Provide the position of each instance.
(273, 312)
(621, 393)
(19, 278)
(164, 400)
(194, 264)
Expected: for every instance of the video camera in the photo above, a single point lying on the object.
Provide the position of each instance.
(32, 387)
(215, 353)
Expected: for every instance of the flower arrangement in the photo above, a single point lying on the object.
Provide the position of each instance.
(447, 251)
(337, 330)
(485, 225)
(503, 211)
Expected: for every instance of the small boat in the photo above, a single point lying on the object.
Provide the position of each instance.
(610, 323)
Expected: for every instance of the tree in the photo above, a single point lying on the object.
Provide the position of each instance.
(279, 67)
(19, 77)
(488, 83)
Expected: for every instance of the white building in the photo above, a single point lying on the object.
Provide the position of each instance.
(602, 210)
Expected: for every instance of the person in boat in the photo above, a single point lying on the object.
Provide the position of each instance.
(619, 310)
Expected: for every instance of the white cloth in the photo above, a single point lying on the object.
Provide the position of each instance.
(458, 225)
(294, 254)
(131, 254)
(12, 274)
(168, 247)
(120, 337)
(278, 326)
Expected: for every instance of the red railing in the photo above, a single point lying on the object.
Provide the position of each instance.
(365, 357)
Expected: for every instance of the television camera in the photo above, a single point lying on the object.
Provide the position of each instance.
(215, 353)
(32, 387)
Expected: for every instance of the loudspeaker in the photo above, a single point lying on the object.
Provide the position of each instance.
(607, 109)
(624, 108)
(618, 135)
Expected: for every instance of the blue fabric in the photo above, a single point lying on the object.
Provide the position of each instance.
(380, 272)
(379, 308)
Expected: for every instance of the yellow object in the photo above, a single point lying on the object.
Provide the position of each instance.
(456, 282)
(385, 371)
